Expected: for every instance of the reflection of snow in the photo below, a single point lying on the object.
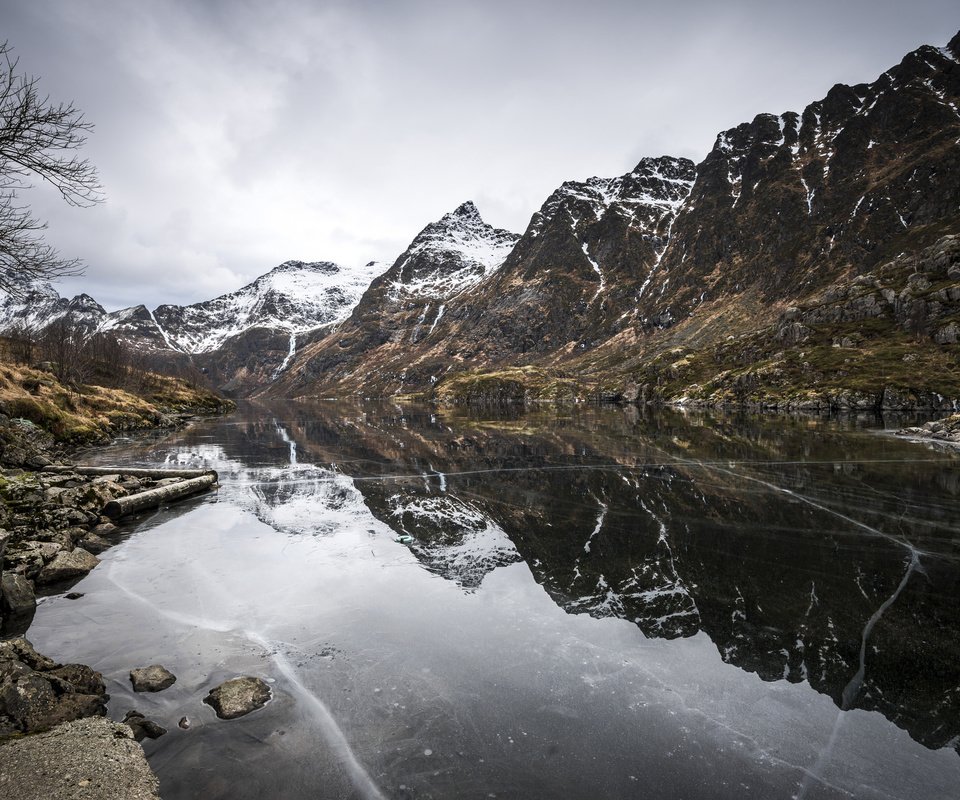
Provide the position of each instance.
(453, 538)
(307, 499)
(301, 498)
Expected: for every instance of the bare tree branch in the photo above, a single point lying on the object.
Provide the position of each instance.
(37, 140)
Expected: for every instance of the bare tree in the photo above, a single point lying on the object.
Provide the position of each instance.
(22, 342)
(38, 139)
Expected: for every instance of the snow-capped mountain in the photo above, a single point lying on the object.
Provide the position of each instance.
(42, 305)
(450, 255)
(241, 339)
(294, 297)
(404, 307)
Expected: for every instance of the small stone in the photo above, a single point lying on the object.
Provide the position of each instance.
(238, 696)
(142, 727)
(154, 678)
(74, 595)
(184, 723)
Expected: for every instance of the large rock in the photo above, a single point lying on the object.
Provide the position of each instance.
(238, 696)
(16, 594)
(68, 565)
(36, 693)
(17, 603)
(154, 678)
(90, 759)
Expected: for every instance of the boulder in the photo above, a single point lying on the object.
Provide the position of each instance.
(36, 693)
(84, 760)
(68, 565)
(154, 678)
(238, 696)
(16, 594)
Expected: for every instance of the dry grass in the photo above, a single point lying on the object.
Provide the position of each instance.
(90, 413)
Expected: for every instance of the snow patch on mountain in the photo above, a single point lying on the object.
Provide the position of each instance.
(654, 188)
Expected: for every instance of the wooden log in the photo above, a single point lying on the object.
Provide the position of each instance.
(152, 498)
(136, 472)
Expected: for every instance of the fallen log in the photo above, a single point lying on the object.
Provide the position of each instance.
(152, 498)
(136, 472)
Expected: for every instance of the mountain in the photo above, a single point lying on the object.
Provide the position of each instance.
(810, 260)
(579, 265)
(633, 286)
(405, 307)
(294, 297)
(41, 305)
(240, 339)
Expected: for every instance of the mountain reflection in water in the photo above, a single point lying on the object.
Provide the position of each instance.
(809, 552)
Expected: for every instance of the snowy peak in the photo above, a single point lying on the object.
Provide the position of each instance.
(294, 297)
(450, 255)
(41, 305)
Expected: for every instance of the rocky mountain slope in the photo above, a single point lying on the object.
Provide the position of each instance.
(576, 270)
(612, 275)
(405, 308)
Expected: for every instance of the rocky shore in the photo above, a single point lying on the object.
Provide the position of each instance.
(942, 431)
(52, 528)
(53, 740)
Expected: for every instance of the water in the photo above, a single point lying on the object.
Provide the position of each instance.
(596, 603)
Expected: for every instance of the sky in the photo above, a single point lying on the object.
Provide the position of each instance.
(233, 135)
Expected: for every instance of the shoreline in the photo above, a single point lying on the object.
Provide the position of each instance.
(52, 528)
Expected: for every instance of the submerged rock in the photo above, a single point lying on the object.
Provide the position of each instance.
(154, 678)
(142, 727)
(238, 696)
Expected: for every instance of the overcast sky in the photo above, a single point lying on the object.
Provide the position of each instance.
(232, 135)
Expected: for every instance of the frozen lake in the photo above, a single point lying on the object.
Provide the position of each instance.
(591, 603)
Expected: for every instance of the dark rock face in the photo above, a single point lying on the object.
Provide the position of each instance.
(154, 678)
(870, 342)
(784, 205)
(36, 693)
(238, 697)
